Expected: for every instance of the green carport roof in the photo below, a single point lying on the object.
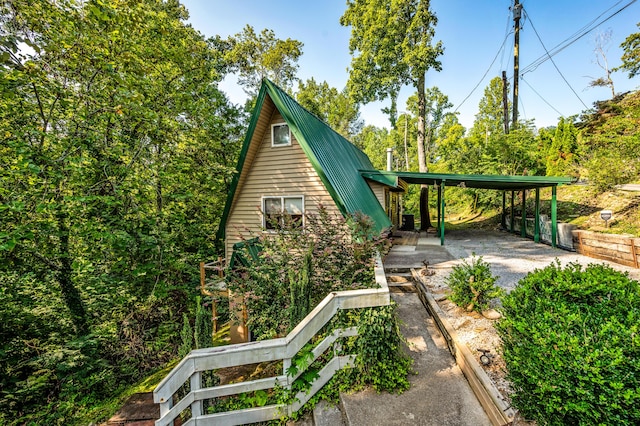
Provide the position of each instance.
(499, 182)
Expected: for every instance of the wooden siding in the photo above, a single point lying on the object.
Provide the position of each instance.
(378, 190)
(283, 170)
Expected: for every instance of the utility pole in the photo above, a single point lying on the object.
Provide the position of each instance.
(505, 103)
(517, 11)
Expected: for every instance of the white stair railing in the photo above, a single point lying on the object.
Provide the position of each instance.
(190, 369)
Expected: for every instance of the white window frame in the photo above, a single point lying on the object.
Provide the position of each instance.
(282, 198)
(273, 139)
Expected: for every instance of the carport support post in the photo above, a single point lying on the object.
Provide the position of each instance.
(512, 218)
(438, 207)
(536, 225)
(442, 213)
(503, 220)
(523, 225)
(554, 216)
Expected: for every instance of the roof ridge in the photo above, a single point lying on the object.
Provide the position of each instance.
(311, 113)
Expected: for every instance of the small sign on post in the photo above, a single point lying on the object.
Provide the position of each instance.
(606, 215)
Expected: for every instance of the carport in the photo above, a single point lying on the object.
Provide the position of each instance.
(512, 184)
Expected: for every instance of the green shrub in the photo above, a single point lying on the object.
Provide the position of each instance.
(296, 268)
(472, 285)
(571, 344)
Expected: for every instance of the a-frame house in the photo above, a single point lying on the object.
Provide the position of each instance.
(291, 162)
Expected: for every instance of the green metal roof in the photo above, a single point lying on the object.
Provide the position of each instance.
(499, 182)
(336, 160)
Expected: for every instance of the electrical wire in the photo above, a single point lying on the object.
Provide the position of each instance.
(584, 30)
(553, 62)
(485, 73)
(540, 96)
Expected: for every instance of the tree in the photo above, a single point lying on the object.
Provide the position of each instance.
(117, 150)
(600, 50)
(631, 55)
(374, 141)
(490, 117)
(256, 56)
(436, 106)
(392, 45)
(333, 107)
(561, 154)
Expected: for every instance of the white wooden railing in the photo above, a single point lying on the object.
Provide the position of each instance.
(191, 367)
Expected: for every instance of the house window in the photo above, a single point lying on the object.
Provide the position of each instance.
(278, 211)
(280, 135)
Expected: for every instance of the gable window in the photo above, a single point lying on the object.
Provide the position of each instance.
(280, 135)
(278, 211)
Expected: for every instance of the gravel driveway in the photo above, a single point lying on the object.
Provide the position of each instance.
(512, 257)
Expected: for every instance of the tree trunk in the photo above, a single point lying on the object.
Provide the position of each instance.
(425, 219)
(63, 275)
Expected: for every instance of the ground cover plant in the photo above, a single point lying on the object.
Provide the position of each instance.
(572, 347)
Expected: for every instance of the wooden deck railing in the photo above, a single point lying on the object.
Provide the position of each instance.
(190, 369)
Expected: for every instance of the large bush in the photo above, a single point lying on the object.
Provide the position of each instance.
(297, 267)
(572, 347)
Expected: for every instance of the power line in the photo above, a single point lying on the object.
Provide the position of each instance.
(543, 99)
(552, 61)
(485, 73)
(584, 30)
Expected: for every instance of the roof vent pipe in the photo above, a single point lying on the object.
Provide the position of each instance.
(389, 158)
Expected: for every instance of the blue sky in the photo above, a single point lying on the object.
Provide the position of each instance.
(472, 32)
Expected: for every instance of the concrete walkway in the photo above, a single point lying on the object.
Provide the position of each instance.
(439, 394)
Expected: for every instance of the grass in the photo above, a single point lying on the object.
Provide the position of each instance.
(577, 204)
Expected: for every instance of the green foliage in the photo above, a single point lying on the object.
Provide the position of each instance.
(631, 55)
(256, 56)
(472, 285)
(117, 150)
(203, 330)
(300, 289)
(333, 107)
(571, 345)
(186, 335)
(381, 362)
(340, 253)
(610, 142)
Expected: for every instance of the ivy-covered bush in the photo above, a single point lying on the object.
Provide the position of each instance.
(473, 285)
(571, 343)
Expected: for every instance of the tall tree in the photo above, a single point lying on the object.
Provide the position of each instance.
(116, 147)
(256, 56)
(631, 55)
(436, 106)
(561, 154)
(332, 106)
(602, 41)
(490, 117)
(392, 46)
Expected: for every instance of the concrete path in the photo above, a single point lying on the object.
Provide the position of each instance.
(439, 393)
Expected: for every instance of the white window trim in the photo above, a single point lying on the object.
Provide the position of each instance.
(282, 197)
(273, 139)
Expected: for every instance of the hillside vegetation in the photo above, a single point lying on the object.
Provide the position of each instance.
(118, 147)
